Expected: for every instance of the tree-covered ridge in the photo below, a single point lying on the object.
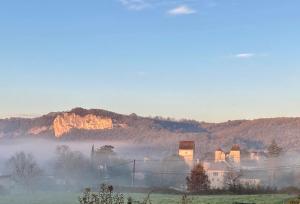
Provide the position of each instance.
(153, 130)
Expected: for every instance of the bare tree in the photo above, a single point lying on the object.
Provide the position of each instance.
(23, 169)
(72, 167)
(232, 180)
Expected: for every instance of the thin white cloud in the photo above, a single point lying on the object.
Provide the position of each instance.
(19, 115)
(181, 10)
(244, 55)
(135, 4)
(141, 74)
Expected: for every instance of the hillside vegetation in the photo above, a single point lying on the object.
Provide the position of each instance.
(158, 131)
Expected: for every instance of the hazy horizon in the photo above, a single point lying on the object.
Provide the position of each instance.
(30, 116)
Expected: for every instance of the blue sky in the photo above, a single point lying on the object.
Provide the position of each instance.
(210, 60)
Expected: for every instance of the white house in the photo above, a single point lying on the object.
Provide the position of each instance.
(216, 173)
(225, 163)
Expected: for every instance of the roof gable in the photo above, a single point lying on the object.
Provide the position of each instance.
(187, 145)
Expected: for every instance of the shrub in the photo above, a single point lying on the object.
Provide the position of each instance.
(105, 195)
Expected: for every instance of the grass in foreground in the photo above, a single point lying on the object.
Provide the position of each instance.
(216, 199)
(72, 198)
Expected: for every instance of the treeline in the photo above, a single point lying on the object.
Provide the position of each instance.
(68, 171)
(72, 171)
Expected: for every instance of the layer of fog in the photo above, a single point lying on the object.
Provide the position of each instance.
(286, 168)
(43, 150)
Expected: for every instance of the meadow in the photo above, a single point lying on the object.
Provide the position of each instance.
(72, 198)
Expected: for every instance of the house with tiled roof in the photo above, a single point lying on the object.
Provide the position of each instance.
(234, 154)
(225, 162)
(187, 151)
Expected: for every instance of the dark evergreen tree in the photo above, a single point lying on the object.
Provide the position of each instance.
(198, 181)
(274, 150)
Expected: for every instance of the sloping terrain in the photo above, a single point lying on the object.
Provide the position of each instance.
(81, 124)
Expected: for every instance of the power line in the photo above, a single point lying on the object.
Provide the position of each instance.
(145, 161)
(247, 169)
(122, 164)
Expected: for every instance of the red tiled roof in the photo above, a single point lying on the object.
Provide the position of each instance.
(187, 145)
(235, 147)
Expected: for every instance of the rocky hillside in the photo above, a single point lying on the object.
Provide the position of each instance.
(64, 123)
(81, 124)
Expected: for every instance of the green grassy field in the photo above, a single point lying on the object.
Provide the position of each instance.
(217, 199)
(71, 198)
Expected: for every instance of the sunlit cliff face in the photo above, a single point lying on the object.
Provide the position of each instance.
(64, 123)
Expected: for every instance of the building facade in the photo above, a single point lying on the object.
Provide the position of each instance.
(227, 163)
(220, 155)
(233, 155)
(187, 151)
(216, 173)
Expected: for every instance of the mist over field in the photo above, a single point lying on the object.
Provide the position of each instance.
(67, 167)
(44, 149)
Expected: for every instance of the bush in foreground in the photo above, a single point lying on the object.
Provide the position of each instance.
(105, 195)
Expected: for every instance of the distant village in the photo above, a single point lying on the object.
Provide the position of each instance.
(223, 162)
(222, 168)
(248, 167)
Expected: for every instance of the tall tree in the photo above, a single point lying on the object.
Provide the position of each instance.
(23, 169)
(110, 165)
(104, 155)
(198, 181)
(72, 167)
(274, 150)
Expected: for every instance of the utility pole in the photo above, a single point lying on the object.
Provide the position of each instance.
(133, 173)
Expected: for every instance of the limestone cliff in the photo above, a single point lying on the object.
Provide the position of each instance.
(256, 134)
(64, 123)
(38, 130)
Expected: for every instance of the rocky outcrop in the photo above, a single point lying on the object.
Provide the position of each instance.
(62, 124)
(38, 130)
(256, 134)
